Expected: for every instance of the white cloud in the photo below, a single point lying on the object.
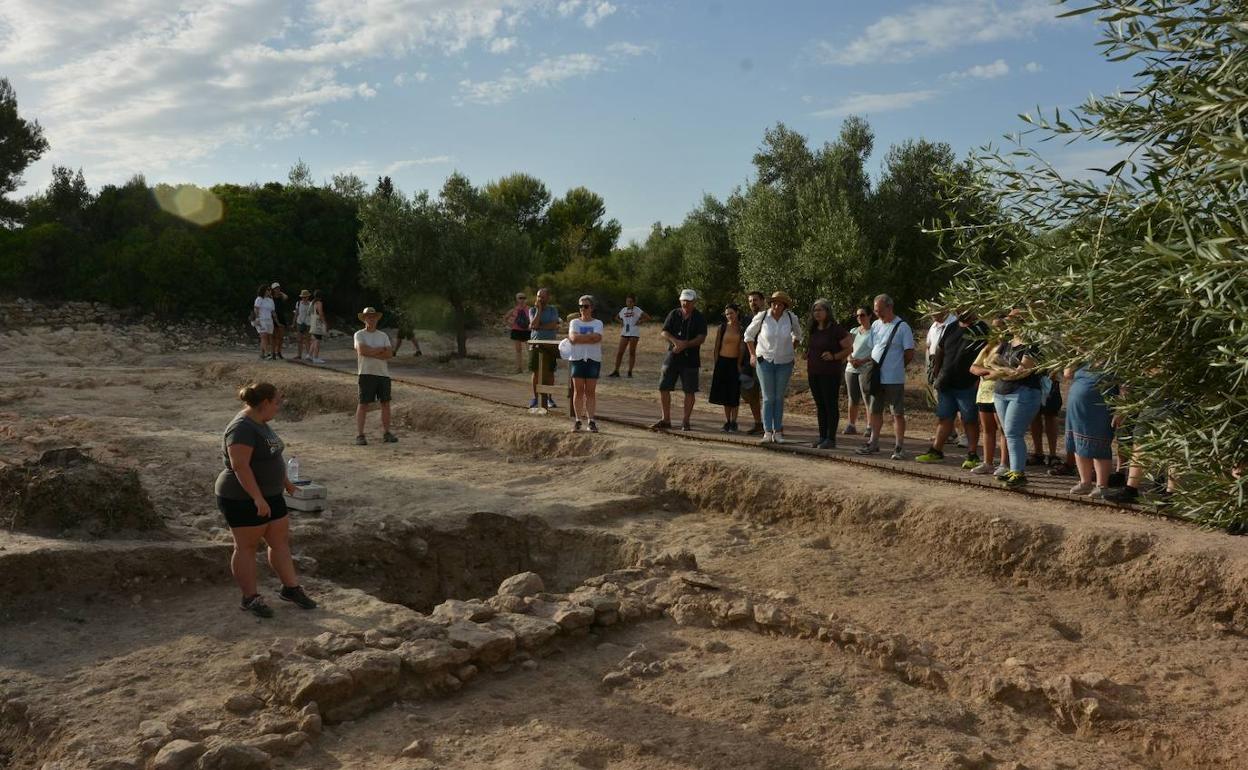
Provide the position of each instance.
(129, 86)
(596, 12)
(939, 26)
(996, 69)
(545, 73)
(399, 165)
(403, 78)
(624, 48)
(876, 103)
(1033, 67)
(503, 44)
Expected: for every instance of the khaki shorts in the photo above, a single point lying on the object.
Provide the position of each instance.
(893, 397)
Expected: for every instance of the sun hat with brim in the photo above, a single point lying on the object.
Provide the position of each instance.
(782, 297)
(305, 293)
(688, 295)
(368, 311)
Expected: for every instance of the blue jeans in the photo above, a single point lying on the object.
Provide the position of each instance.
(1015, 411)
(774, 380)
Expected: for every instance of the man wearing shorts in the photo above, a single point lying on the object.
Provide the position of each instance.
(544, 324)
(281, 317)
(631, 318)
(956, 387)
(685, 331)
(892, 349)
(372, 350)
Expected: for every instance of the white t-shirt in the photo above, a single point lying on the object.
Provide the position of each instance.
(368, 364)
(585, 351)
(265, 308)
(936, 331)
(631, 318)
(303, 308)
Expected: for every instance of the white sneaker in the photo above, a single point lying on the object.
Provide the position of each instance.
(1001, 471)
(318, 360)
(777, 437)
(962, 442)
(983, 469)
(768, 437)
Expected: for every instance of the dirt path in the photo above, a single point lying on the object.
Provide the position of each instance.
(1066, 636)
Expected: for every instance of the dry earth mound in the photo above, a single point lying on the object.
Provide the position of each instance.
(65, 492)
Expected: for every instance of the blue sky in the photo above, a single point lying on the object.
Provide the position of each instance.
(650, 103)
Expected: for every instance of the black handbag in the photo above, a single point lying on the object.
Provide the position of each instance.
(877, 387)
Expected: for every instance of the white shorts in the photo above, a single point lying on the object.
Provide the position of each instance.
(264, 325)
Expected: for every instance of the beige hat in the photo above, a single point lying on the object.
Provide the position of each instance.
(782, 297)
(305, 293)
(368, 311)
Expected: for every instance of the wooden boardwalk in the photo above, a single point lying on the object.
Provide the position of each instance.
(800, 430)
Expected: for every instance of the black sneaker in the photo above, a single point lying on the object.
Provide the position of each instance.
(593, 426)
(360, 440)
(1121, 495)
(727, 428)
(686, 427)
(256, 606)
(614, 374)
(576, 426)
(630, 375)
(295, 595)
(389, 438)
(1117, 479)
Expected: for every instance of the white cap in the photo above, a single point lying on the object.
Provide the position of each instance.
(276, 285)
(689, 295)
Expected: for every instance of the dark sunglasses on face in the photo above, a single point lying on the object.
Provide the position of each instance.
(586, 305)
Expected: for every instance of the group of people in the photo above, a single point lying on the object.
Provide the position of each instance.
(273, 315)
(988, 377)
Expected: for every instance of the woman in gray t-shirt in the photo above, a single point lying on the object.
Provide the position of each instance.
(249, 493)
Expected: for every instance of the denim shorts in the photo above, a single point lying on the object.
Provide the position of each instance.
(586, 370)
(951, 402)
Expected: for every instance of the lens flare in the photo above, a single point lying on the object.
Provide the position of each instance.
(194, 204)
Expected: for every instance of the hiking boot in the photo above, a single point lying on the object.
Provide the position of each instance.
(899, 453)
(256, 606)
(1014, 479)
(389, 438)
(971, 461)
(661, 425)
(360, 440)
(295, 595)
(868, 449)
(932, 455)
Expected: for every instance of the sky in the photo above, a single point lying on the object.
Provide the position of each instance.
(650, 103)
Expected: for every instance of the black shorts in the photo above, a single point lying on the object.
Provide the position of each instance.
(688, 376)
(374, 387)
(318, 336)
(1053, 405)
(242, 513)
(989, 407)
(304, 328)
(520, 335)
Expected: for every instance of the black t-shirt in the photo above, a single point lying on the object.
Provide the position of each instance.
(1012, 355)
(960, 347)
(281, 310)
(266, 459)
(683, 328)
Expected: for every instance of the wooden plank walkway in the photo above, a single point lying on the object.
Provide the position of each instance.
(800, 431)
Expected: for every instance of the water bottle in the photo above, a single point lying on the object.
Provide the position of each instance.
(292, 470)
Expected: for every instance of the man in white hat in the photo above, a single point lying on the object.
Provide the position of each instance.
(372, 350)
(685, 331)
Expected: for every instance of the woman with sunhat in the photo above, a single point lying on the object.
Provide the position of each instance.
(771, 338)
(303, 323)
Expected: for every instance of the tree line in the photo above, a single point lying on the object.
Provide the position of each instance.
(810, 221)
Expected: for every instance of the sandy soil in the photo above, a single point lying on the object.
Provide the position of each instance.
(100, 635)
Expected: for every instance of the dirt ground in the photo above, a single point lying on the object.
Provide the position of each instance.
(1063, 637)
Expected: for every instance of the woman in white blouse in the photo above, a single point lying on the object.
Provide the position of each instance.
(585, 334)
(771, 338)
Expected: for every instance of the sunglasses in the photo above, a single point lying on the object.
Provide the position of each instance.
(862, 315)
(586, 305)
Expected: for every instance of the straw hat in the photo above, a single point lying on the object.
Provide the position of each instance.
(367, 312)
(782, 297)
(305, 293)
